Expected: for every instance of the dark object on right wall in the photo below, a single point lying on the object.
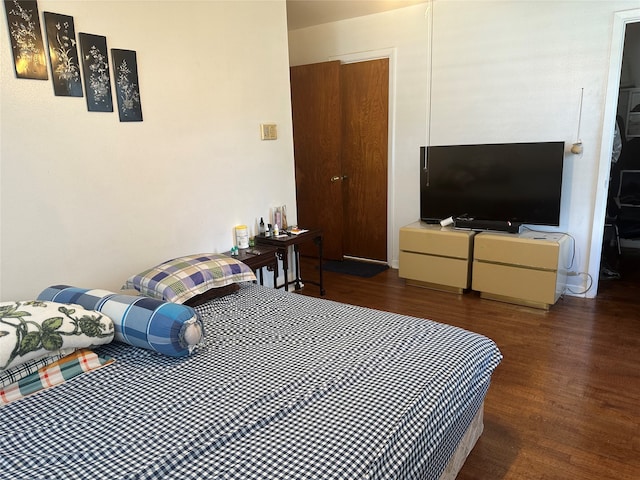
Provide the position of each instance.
(624, 187)
(628, 204)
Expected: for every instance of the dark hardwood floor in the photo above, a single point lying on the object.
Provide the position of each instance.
(565, 401)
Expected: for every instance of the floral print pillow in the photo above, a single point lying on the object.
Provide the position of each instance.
(35, 329)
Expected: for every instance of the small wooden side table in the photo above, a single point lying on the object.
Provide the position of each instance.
(283, 242)
(257, 257)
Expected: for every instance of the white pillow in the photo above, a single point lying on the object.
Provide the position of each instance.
(35, 329)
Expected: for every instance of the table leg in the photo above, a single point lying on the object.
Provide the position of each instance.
(283, 255)
(296, 259)
(318, 241)
(275, 275)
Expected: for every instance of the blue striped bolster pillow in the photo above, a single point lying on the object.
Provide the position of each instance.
(167, 328)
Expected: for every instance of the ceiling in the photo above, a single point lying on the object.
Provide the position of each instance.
(306, 13)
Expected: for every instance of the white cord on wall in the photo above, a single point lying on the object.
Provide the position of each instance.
(577, 146)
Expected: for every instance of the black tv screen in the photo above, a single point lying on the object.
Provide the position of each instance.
(518, 183)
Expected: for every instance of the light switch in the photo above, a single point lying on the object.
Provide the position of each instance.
(269, 131)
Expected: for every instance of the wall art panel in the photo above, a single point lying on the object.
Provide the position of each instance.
(95, 71)
(63, 55)
(125, 68)
(26, 39)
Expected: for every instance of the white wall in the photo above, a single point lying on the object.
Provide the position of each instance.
(503, 71)
(88, 201)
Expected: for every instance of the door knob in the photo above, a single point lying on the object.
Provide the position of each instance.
(338, 177)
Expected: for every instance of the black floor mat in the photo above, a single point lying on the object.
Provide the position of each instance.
(353, 267)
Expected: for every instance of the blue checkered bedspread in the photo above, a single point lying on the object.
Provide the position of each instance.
(286, 387)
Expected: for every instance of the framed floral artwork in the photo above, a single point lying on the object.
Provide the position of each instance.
(26, 39)
(63, 55)
(125, 73)
(95, 71)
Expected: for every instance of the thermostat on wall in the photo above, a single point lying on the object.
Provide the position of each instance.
(268, 131)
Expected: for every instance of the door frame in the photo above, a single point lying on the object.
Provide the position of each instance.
(620, 22)
(391, 54)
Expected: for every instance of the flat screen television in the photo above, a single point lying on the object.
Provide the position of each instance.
(492, 186)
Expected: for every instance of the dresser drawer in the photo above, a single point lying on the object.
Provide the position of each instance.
(436, 270)
(524, 284)
(514, 250)
(436, 241)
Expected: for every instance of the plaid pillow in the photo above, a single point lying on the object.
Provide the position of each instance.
(56, 373)
(150, 323)
(182, 278)
(7, 377)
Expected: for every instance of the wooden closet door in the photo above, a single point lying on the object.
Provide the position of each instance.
(365, 114)
(316, 110)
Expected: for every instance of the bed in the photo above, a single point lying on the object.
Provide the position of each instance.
(284, 386)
